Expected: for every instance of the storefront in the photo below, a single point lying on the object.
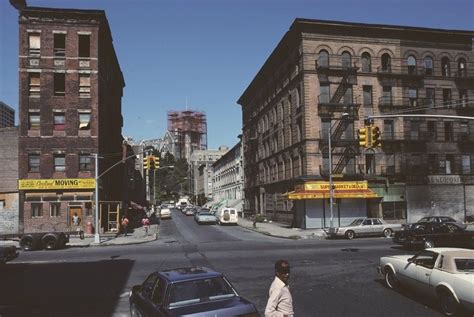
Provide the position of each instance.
(311, 203)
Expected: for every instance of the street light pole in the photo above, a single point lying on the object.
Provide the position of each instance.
(96, 235)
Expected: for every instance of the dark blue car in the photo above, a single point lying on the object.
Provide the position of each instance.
(195, 291)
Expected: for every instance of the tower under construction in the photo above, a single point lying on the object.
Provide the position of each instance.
(190, 129)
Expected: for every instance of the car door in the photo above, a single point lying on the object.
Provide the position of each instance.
(377, 227)
(365, 228)
(416, 273)
(158, 298)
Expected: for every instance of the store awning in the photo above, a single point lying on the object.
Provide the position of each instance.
(342, 189)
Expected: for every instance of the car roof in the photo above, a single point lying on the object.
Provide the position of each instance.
(188, 274)
(449, 250)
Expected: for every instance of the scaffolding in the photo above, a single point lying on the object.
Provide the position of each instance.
(190, 129)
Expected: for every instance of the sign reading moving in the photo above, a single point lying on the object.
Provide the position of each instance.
(60, 183)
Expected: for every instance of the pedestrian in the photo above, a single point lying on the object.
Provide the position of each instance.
(145, 223)
(76, 221)
(280, 302)
(124, 225)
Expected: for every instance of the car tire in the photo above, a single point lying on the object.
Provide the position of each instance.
(49, 241)
(387, 233)
(28, 243)
(390, 279)
(135, 312)
(350, 234)
(428, 244)
(449, 305)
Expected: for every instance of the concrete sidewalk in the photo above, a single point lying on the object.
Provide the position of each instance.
(280, 230)
(134, 236)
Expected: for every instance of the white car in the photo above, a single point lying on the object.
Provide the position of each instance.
(446, 274)
(165, 213)
(365, 227)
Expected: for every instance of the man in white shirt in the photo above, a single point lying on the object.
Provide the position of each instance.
(280, 302)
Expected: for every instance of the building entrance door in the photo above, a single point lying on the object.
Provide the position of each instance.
(75, 210)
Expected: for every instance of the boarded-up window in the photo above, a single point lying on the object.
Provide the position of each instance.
(34, 41)
(84, 85)
(34, 88)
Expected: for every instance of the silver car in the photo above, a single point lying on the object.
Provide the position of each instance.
(365, 227)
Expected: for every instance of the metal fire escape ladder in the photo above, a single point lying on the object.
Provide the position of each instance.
(341, 89)
(340, 128)
(344, 159)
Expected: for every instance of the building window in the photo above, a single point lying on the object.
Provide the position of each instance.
(34, 88)
(299, 131)
(411, 62)
(84, 46)
(323, 59)
(463, 100)
(433, 163)
(445, 68)
(84, 121)
(59, 84)
(413, 96)
(447, 97)
(367, 96)
(414, 130)
(386, 95)
(462, 70)
(466, 164)
(84, 162)
(448, 131)
(324, 97)
(33, 163)
(59, 121)
(429, 65)
(34, 41)
(348, 96)
(88, 207)
(54, 209)
(388, 130)
(36, 210)
(432, 130)
(386, 63)
(34, 120)
(430, 97)
(464, 127)
(449, 163)
(84, 85)
(366, 63)
(346, 59)
(59, 45)
(59, 162)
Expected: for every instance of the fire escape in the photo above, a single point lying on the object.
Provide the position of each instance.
(343, 148)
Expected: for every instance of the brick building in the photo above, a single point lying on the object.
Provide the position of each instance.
(70, 108)
(9, 211)
(326, 77)
(7, 115)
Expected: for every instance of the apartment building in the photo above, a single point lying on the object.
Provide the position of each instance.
(69, 108)
(324, 79)
(9, 209)
(7, 115)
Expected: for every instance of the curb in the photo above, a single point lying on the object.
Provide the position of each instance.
(108, 244)
(269, 234)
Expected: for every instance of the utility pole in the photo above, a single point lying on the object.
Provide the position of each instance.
(97, 208)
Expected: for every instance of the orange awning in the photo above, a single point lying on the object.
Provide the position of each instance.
(321, 194)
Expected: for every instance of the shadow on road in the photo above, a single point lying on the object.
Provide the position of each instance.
(62, 289)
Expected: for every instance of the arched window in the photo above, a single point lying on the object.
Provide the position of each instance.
(428, 65)
(346, 59)
(445, 69)
(323, 59)
(386, 63)
(366, 63)
(411, 62)
(462, 68)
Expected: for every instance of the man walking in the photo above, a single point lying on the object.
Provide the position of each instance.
(280, 302)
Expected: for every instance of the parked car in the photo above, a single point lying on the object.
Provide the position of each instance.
(439, 219)
(365, 227)
(227, 216)
(165, 213)
(431, 234)
(446, 274)
(189, 211)
(7, 253)
(188, 291)
(205, 217)
(196, 213)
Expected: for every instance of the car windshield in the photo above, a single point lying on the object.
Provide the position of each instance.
(464, 265)
(197, 291)
(356, 222)
(205, 213)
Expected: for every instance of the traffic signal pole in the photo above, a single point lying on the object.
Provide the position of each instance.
(419, 116)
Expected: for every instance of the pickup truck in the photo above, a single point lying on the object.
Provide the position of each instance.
(7, 253)
(444, 274)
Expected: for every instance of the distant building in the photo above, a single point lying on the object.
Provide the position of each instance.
(324, 78)
(7, 115)
(9, 197)
(189, 129)
(228, 179)
(201, 172)
(70, 108)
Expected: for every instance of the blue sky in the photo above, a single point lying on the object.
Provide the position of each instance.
(204, 53)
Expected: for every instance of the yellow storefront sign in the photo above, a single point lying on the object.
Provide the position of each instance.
(342, 189)
(337, 185)
(59, 183)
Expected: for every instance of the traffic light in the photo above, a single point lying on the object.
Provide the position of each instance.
(152, 162)
(146, 162)
(362, 136)
(376, 136)
(157, 162)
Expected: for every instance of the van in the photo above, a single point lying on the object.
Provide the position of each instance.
(227, 215)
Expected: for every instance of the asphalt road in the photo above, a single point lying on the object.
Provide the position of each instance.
(328, 277)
